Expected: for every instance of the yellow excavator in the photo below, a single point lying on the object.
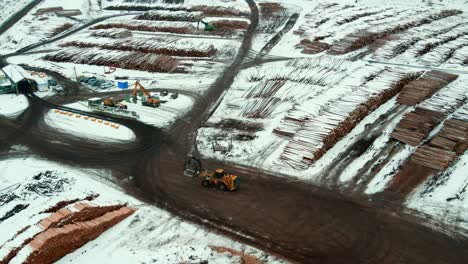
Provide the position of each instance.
(219, 178)
(150, 101)
(111, 103)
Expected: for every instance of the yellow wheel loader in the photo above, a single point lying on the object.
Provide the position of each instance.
(219, 178)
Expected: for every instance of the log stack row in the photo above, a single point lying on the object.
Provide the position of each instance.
(229, 25)
(362, 39)
(313, 47)
(119, 59)
(171, 16)
(184, 28)
(423, 88)
(321, 132)
(113, 33)
(54, 243)
(416, 125)
(150, 45)
(432, 157)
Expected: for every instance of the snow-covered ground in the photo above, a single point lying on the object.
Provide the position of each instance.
(34, 28)
(12, 105)
(150, 235)
(444, 196)
(163, 116)
(10, 7)
(86, 127)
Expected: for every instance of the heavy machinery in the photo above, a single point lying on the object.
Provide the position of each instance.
(208, 26)
(149, 100)
(219, 178)
(111, 103)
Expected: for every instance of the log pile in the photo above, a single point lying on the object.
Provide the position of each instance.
(119, 59)
(171, 16)
(355, 17)
(113, 33)
(239, 125)
(321, 132)
(430, 46)
(449, 98)
(185, 28)
(270, 10)
(229, 25)
(362, 39)
(218, 11)
(264, 89)
(433, 157)
(416, 125)
(62, 28)
(54, 243)
(126, 7)
(423, 88)
(260, 107)
(206, 10)
(312, 47)
(180, 48)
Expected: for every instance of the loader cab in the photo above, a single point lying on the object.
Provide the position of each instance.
(219, 173)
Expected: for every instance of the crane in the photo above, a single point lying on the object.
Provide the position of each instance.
(208, 26)
(150, 101)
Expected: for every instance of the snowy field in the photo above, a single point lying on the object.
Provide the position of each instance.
(35, 27)
(157, 235)
(12, 105)
(87, 127)
(163, 116)
(10, 7)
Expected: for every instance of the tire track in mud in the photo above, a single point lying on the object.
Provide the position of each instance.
(299, 221)
(332, 172)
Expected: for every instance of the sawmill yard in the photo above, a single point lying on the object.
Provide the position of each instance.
(372, 100)
(364, 100)
(39, 192)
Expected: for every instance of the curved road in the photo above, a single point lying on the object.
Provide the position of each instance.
(296, 220)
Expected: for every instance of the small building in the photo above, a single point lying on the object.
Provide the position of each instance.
(5, 84)
(41, 80)
(95, 101)
(14, 74)
(68, 13)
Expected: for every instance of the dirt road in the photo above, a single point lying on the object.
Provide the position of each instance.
(296, 220)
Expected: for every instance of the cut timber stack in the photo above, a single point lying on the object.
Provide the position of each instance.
(312, 47)
(423, 88)
(54, 243)
(433, 157)
(415, 126)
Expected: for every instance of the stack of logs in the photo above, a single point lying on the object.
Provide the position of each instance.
(416, 125)
(433, 157)
(150, 45)
(362, 39)
(114, 33)
(313, 47)
(124, 60)
(54, 243)
(229, 25)
(332, 128)
(146, 27)
(423, 88)
(171, 16)
(442, 150)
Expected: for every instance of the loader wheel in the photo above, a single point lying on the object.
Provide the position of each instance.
(222, 187)
(206, 183)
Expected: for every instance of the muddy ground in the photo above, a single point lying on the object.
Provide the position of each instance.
(293, 219)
